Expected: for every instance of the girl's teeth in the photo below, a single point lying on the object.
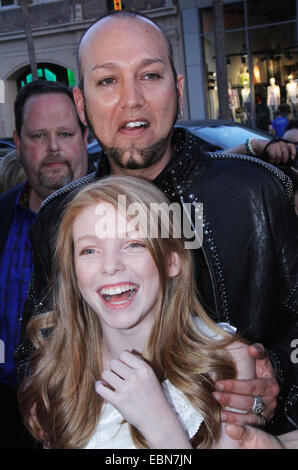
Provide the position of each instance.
(117, 290)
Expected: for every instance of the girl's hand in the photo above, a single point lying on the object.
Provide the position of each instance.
(139, 398)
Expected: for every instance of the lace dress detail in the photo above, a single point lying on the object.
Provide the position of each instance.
(190, 418)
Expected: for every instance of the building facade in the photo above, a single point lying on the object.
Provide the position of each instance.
(57, 26)
(261, 38)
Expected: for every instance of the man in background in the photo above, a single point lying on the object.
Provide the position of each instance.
(51, 145)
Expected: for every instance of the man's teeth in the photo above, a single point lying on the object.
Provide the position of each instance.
(117, 289)
(136, 124)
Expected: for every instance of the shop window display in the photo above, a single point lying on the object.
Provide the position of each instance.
(274, 77)
(292, 95)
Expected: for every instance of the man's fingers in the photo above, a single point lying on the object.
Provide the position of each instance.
(245, 403)
(230, 417)
(257, 351)
(281, 152)
(239, 402)
(264, 368)
(253, 387)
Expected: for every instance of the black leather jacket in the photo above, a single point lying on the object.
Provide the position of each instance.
(247, 267)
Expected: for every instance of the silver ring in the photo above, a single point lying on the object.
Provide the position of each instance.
(258, 405)
(260, 420)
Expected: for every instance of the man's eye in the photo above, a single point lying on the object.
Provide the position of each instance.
(152, 76)
(107, 81)
(66, 134)
(38, 136)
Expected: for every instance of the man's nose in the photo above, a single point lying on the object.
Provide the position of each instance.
(53, 143)
(132, 93)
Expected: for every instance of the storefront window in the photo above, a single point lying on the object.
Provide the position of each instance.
(233, 17)
(254, 96)
(270, 11)
(7, 3)
(238, 76)
(275, 69)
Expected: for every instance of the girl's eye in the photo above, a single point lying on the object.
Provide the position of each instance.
(87, 251)
(136, 245)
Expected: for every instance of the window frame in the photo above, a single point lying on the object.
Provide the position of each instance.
(7, 7)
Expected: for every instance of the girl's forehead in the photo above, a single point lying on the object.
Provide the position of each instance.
(104, 220)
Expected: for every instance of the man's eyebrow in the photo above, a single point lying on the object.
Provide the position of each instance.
(154, 60)
(107, 65)
(114, 65)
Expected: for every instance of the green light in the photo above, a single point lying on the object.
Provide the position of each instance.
(71, 77)
(50, 75)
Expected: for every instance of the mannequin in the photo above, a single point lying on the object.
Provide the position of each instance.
(245, 94)
(273, 97)
(243, 76)
(233, 100)
(292, 92)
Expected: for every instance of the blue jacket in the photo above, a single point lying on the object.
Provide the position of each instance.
(7, 205)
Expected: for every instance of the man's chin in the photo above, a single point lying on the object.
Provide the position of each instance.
(136, 160)
(133, 164)
(55, 183)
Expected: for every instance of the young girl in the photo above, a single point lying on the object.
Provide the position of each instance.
(127, 358)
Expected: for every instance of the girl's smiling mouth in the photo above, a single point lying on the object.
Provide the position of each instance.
(118, 295)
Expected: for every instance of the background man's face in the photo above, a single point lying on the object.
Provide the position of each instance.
(51, 146)
(131, 98)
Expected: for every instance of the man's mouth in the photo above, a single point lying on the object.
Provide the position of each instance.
(119, 294)
(134, 125)
(51, 162)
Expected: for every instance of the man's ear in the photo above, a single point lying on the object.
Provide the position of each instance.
(79, 101)
(174, 265)
(180, 90)
(85, 136)
(17, 142)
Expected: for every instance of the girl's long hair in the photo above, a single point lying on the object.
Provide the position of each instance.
(58, 400)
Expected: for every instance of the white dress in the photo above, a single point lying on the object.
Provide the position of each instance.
(112, 433)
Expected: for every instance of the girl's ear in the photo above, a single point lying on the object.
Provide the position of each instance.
(174, 265)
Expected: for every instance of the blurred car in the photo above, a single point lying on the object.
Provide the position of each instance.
(215, 134)
(6, 145)
(218, 134)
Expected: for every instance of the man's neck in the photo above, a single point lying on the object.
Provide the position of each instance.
(35, 199)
